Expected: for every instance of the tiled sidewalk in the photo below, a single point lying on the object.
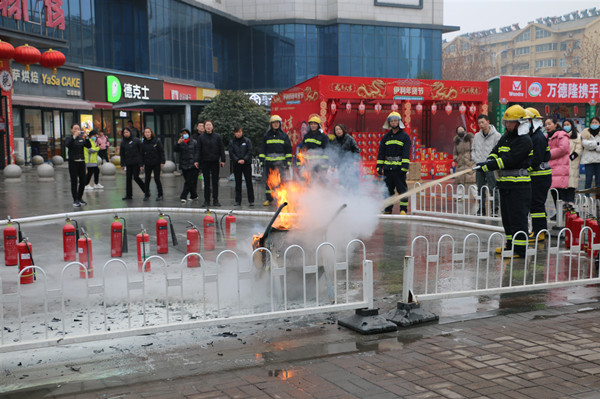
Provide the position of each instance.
(551, 353)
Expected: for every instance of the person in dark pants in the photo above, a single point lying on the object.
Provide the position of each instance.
(393, 159)
(153, 156)
(275, 154)
(240, 152)
(211, 155)
(131, 161)
(187, 148)
(541, 176)
(510, 157)
(77, 170)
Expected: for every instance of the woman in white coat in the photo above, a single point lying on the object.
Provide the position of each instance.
(574, 157)
(590, 139)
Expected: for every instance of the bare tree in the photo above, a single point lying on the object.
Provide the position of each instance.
(583, 58)
(468, 64)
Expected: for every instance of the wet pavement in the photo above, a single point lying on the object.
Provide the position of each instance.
(541, 344)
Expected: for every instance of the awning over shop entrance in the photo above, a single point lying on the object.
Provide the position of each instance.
(48, 102)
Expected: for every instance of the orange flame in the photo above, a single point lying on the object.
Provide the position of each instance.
(285, 191)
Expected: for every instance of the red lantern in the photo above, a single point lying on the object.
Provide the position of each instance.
(7, 51)
(52, 59)
(547, 109)
(473, 109)
(333, 107)
(348, 107)
(575, 110)
(361, 108)
(433, 109)
(448, 108)
(377, 108)
(462, 109)
(395, 107)
(27, 55)
(419, 108)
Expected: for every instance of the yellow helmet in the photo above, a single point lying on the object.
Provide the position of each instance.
(393, 115)
(315, 119)
(514, 113)
(275, 118)
(535, 112)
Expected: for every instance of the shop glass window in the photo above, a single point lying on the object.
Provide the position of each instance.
(33, 122)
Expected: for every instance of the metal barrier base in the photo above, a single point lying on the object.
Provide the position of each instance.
(410, 314)
(367, 321)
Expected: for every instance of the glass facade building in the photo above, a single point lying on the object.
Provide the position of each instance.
(171, 39)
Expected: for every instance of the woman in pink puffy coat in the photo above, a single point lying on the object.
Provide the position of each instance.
(560, 149)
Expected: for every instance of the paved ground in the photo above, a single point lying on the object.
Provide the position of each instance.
(547, 353)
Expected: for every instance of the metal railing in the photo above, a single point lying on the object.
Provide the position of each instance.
(214, 293)
(475, 268)
(455, 200)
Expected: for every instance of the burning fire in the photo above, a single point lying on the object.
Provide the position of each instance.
(285, 191)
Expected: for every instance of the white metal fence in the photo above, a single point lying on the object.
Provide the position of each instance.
(453, 269)
(455, 200)
(61, 308)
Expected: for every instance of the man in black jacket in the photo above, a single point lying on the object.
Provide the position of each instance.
(77, 169)
(240, 152)
(131, 160)
(211, 152)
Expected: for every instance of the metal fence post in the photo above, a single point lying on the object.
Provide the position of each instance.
(368, 283)
(407, 280)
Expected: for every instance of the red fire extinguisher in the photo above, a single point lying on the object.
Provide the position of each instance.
(143, 250)
(116, 238)
(11, 238)
(84, 245)
(193, 245)
(209, 231)
(70, 238)
(162, 234)
(24, 249)
(230, 229)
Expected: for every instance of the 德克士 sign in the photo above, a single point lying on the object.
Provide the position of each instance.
(119, 88)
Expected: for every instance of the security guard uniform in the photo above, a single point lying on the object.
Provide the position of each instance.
(275, 153)
(510, 157)
(393, 160)
(541, 176)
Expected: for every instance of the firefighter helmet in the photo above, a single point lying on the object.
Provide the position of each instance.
(315, 119)
(514, 113)
(393, 115)
(535, 113)
(275, 118)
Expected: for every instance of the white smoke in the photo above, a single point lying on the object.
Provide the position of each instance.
(319, 207)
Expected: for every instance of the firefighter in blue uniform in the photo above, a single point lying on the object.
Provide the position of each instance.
(393, 159)
(541, 176)
(313, 147)
(275, 153)
(510, 157)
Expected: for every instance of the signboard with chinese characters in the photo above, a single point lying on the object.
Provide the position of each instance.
(19, 10)
(40, 81)
(118, 88)
(548, 90)
(174, 91)
(262, 98)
